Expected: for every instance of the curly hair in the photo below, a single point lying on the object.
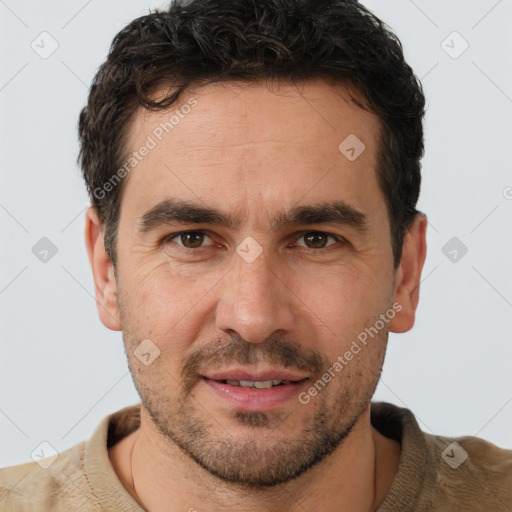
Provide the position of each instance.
(196, 42)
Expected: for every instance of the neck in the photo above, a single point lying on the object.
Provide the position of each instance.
(159, 476)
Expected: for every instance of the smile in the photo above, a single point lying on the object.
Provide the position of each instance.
(255, 395)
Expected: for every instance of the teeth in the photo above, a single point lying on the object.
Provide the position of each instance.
(264, 384)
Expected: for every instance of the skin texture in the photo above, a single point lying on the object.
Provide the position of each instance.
(253, 152)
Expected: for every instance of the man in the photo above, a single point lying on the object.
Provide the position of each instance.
(254, 169)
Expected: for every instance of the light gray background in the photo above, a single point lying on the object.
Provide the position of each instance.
(61, 370)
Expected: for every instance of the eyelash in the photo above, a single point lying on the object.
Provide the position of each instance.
(307, 250)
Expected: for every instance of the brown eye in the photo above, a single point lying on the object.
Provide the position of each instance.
(192, 239)
(316, 239)
(189, 242)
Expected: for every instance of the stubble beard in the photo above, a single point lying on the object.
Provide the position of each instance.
(260, 454)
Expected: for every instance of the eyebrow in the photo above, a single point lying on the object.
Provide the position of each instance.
(171, 211)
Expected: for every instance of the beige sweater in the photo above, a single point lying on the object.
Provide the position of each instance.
(432, 475)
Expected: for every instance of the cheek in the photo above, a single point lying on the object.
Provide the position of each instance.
(164, 305)
(144, 304)
(344, 299)
(156, 288)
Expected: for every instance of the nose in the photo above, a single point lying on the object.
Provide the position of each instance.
(255, 300)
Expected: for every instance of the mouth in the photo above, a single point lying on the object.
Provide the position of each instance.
(242, 375)
(255, 391)
(259, 384)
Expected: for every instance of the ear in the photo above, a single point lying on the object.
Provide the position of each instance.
(103, 272)
(408, 274)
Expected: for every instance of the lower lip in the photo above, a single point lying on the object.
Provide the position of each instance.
(252, 399)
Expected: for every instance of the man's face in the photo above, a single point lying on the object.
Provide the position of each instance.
(276, 300)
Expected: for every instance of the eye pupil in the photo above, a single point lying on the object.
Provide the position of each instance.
(314, 238)
(192, 239)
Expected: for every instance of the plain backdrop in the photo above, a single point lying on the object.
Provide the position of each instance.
(62, 371)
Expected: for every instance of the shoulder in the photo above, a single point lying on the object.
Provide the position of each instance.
(471, 470)
(80, 478)
(446, 474)
(48, 484)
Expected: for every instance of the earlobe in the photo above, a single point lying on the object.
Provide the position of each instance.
(103, 272)
(408, 274)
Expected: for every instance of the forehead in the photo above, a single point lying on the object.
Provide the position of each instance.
(235, 146)
(261, 111)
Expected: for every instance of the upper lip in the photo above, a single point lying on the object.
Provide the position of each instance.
(253, 375)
